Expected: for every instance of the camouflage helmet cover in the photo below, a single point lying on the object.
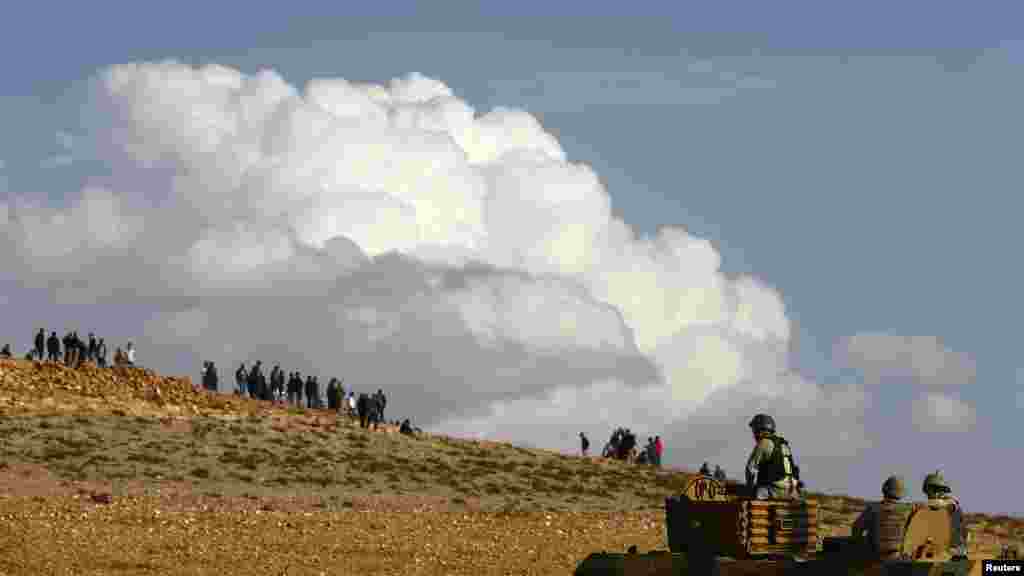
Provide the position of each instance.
(762, 423)
(893, 487)
(934, 482)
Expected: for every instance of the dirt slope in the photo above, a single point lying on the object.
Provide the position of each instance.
(126, 472)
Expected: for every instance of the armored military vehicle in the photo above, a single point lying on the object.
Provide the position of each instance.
(716, 528)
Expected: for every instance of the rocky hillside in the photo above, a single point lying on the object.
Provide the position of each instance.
(125, 471)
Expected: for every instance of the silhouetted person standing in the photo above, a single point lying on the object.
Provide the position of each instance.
(67, 349)
(53, 347)
(40, 343)
(311, 392)
(382, 401)
(101, 354)
(240, 379)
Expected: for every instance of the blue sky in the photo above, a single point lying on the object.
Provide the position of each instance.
(860, 158)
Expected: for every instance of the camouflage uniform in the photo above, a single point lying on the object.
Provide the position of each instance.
(785, 487)
(866, 526)
(940, 496)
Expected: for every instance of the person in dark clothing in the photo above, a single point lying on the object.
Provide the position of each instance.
(53, 347)
(262, 389)
(584, 444)
(254, 380)
(210, 379)
(277, 383)
(78, 350)
(6, 352)
(406, 428)
(293, 389)
(381, 402)
(241, 379)
(375, 412)
(101, 353)
(332, 394)
(311, 392)
(93, 346)
(40, 343)
(719, 473)
(650, 451)
(67, 349)
(363, 407)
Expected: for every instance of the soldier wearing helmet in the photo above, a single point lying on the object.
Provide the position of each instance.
(771, 470)
(940, 495)
(937, 490)
(867, 526)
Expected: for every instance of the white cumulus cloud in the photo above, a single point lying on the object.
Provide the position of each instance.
(393, 236)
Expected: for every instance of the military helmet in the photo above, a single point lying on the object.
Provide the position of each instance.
(934, 482)
(893, 487)
(762, 423)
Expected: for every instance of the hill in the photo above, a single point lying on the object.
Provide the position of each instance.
(123, 471)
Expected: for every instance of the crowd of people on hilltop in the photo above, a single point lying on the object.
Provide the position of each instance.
(294, 390)
(623, 446)
(73, 351)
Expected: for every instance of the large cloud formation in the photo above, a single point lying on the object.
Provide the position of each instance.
(390, 235)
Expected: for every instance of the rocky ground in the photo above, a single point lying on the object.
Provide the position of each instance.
(121, 471)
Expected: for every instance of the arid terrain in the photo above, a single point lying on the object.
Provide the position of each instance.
(121, 471)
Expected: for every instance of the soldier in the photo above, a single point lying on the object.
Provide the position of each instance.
(867, 527)
(6, 352)
(771, 470)
(40, 342)
(93, 347)
(940, 495)
(705, 470)
(584, 444)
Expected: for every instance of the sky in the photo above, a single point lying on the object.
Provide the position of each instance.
(531, 220)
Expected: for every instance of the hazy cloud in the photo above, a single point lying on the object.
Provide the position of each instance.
(943, 413)
(922, 360)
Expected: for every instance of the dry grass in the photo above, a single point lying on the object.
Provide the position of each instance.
(199, 484)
